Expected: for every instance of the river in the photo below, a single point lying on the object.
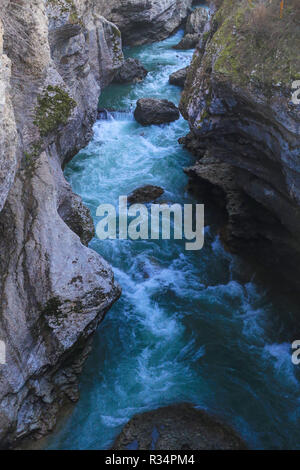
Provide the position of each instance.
(190, 326)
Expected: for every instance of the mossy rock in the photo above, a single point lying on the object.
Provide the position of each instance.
(53, 109)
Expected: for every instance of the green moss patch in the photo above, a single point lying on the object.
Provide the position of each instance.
(52, 307)
(31, 157)
(53, 109)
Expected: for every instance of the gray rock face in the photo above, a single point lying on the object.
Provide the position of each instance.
(148, 20)
(196, 25)
(77, 216)
(131, 71)
(249, 122)
(177, 427)
(247, 224)
(145, 194)
(178, 78)
(54, 290)
(152, 111)
(197, 21)
(8, 131)
(193, 145)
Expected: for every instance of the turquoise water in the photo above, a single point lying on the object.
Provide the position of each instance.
(190, 326)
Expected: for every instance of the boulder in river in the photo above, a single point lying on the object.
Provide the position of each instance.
(145, 194)
(179, 77)
(153, 111)
(189, 41)
(132, 71)
(177, 427)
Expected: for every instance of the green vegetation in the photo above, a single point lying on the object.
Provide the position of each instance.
(53, 310)
(66, 6)
(31, 158)
(54, 109)
(52, 307)
(252, 45)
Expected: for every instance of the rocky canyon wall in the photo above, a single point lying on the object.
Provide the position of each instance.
(55, 58)
(148, 20)
(54, 290)
(245, 128)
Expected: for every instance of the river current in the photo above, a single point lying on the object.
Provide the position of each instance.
(190, 326)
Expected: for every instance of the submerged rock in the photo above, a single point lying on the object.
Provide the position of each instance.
(145, 194)
(177, 427)
(152, 111)
(131, 71)
(179, 77)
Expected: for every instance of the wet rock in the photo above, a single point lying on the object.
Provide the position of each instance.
(131, 71)
(246, 226)
(189, 41)
(103, 113)
(193, 145)
(178, 78)
(145, 194)
(177, 427)
(152, 111)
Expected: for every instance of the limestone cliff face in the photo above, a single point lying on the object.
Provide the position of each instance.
(142, 21)
(238, 101)
(54, 291)
(8, 131)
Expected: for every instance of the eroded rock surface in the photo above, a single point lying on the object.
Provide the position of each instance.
(238, 101)
(148, 20)
(56, 56)
(196, 26)
(8, 130)
(177, 427)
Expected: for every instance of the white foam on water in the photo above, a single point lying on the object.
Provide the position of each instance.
(280, 357)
